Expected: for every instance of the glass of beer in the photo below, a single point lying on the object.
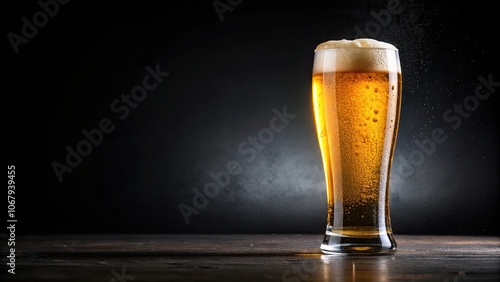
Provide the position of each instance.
(356, 93)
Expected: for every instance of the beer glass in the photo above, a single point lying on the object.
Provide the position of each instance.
(356, 93)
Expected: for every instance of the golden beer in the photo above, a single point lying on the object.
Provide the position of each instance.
(356, 100)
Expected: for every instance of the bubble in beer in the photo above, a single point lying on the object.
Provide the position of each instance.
(375, 111)
(375, 119)
(376, 90)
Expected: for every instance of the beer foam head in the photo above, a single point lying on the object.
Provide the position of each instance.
(362, 54)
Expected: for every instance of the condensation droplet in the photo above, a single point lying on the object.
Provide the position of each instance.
(392, 87)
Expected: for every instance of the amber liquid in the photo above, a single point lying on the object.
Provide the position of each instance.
(357, 115)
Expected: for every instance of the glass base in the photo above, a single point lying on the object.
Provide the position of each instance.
(358, 242)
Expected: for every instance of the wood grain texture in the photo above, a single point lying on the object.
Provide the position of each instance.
(272, 257)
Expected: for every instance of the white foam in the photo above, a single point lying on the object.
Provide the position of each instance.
(357, 43)
(355, 55)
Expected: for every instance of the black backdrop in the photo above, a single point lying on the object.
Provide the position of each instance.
(181, 97)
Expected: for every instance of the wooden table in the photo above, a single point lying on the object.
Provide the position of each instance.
(272, 257)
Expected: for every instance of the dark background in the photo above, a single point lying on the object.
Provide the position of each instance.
(225, 78)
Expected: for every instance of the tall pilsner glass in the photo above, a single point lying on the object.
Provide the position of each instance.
(357, 98)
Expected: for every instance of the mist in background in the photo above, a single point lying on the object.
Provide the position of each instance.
(200, 117)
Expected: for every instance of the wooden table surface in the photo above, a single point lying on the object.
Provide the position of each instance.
(272, 257)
